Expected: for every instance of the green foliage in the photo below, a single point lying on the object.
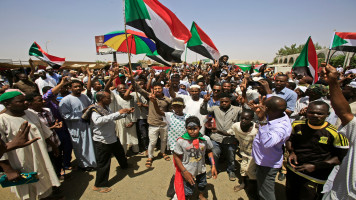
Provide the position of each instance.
(353, 61)
(294, 49)
(320, 60)
(337, 60)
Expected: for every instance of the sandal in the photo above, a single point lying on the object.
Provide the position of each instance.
(102, 189)
(165, 156)
(148, 163)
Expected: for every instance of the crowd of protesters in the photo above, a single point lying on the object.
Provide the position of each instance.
(274, 125)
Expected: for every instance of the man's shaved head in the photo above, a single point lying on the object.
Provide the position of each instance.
(276, 104)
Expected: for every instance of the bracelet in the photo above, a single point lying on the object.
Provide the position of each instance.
(184, 170)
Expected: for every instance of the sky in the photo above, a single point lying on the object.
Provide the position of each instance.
(244, 30)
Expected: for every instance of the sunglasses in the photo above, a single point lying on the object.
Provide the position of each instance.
(216, 90)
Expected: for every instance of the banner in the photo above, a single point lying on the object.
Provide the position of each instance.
(101, 48)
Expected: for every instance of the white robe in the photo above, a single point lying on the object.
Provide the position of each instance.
(193, 108)
(33, 158)
(127, 136)
(71, 108)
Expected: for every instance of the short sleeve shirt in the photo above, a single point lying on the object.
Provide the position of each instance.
(315, 144)
(193, 159)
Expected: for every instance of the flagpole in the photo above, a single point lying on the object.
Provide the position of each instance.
(185, 60)
(129, 56)
(327, 57)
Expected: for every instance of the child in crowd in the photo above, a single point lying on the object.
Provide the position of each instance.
(189, 154)
(175, 120)
(245, 132)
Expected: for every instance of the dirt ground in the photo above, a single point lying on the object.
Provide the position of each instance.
(138, 183)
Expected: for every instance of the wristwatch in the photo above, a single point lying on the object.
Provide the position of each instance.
(263, 122)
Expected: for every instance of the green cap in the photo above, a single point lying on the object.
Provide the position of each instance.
(9, 95)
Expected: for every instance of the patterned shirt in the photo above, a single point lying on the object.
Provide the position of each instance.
(46, 117)
(176, 127)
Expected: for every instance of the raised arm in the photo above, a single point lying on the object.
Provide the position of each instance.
(113, 76)
(31, 75)
(58, 87)
(152, 75)
(204, 110)
(89, 73)
(155, 104)
(128, 91)
(338, 101)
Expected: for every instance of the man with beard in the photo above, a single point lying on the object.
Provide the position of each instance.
(71, 108)
(175, 81)
(227, 88)
(105, 139)
(125, 127)
(157, 127)
(25, 85)
(53, 75)
(43, 81)
(192, 104)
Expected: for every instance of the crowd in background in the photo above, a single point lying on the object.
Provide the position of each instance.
(282, 125)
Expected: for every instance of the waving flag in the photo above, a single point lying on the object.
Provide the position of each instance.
(156, 57)
(36, 50)
(159, 24)
(202, 44)
(307, 61)
(344, 41)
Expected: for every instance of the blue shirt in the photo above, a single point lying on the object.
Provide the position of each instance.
(211, 103)
(289, 96)
(180, 91)
(56, 77)
(267, 145)
(202, 94)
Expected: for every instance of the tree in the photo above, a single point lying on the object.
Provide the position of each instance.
(293, 49)
(337, 60)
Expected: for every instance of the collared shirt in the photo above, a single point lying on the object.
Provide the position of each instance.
(224, 121)
(289, 96)
(267, 145)
(104, 127)
(180, 91)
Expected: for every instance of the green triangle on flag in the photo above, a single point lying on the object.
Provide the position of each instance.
(302, 60)
(307, 61)
(135, 9)
(34, 50)
(338, 41)
(195, 39)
